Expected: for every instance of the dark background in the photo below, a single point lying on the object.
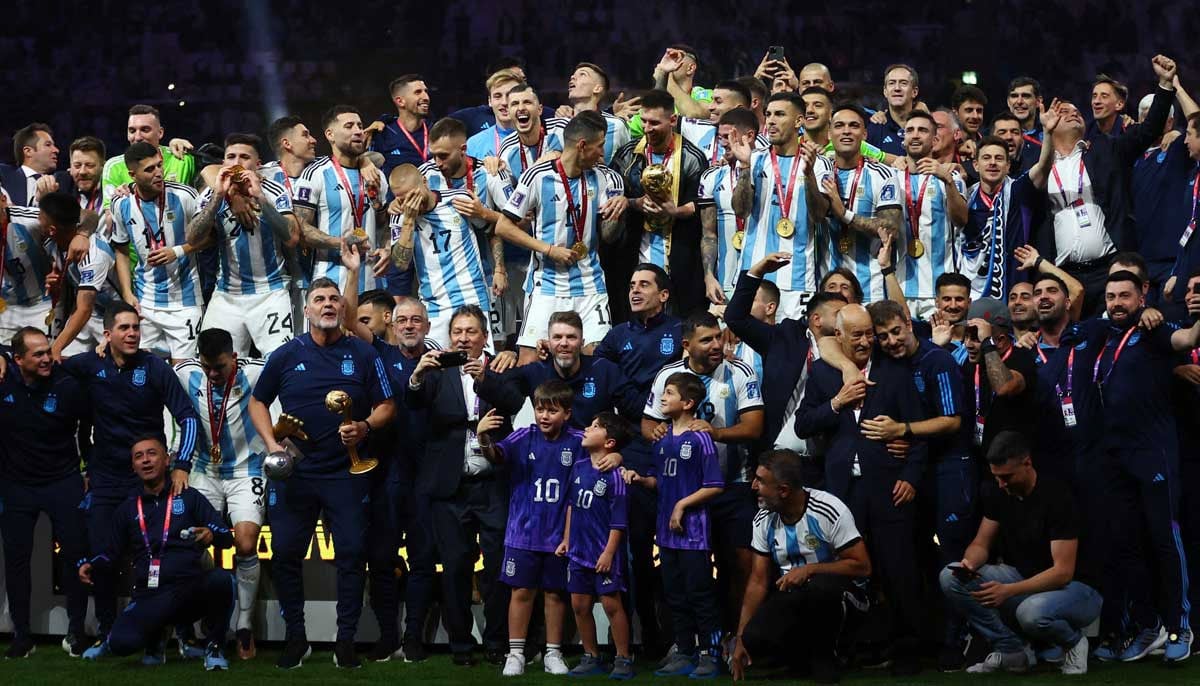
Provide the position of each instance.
(236, 64)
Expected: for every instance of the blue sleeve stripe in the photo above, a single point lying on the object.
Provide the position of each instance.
(384, 384)
(948, 408)
(187, 440)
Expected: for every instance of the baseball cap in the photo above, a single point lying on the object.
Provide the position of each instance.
(991, 311)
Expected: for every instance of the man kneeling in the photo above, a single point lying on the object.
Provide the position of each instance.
(1030, 521)
(807, 540)
(165, 533)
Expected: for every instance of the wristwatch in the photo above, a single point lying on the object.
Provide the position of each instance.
(908, 432)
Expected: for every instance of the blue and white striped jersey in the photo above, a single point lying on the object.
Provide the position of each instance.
(702, 133)
(518, 157)
(242, 448)
(825, 529)
(541, 192)
(616, 134)
(732, 388)
(150, 225)
(28, 258)
(95, 272)
(251, 258)
(937, 233)
(319, 188)
(762, 238)
(298, 264)
(716, 190)
(448, 261)
(877, 189)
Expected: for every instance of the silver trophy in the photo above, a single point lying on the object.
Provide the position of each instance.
(279, 465)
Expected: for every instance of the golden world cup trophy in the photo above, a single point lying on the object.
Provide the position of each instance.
(657, 182)
(339, 402)
(238, 179)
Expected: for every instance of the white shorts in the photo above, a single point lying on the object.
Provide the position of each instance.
(510, 307)
(241, 498)
(262, 319)
(171, 331)
(16, 317)
(792, 304)
(439, 329)
(88, 338)
(592, 309)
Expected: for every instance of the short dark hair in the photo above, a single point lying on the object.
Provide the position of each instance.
(585, 126)
(687, 50)
(992, 140)
(213, 343)
(689, 386)
(853, 107)
(320, 283)
(1004, 115)
(18, 344)
(788, 97)
(785, 465)
(1007, 446)
(1133, 259)
(616, 427)
(28, 136)
(159, 438)
(402, 81)
(1125, 275)
(521, 87)
(569, 317)
(847, 275)
(599, 72)
(62, 209)
(661, 278)
(1121, 89)
(739, 118)
(553, 393)
(756, 88)
(1193, 120)
(246, 139)
(1047, 276)
(471, 310)
(967, 93)
(1025, 81)
(735, 87)
(658, 100)
(145, 109)
(820, 299)
(884, 311)
(280, 128)
(912, 73)
(697, 320)
(377, 297)
(88, 144)
(336, 111)
(445, 127)
(114, 310)
(922, 114)
(137, 152)
(770, 290)
(817, 90)
(952, 279)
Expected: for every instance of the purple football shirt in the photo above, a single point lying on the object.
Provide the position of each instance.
(539, 473)
(685, 464)
(598, 506)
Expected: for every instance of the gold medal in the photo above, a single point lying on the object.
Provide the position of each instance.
(844, 244)
(916, 249)
(739, 239)
(785, 228)
(359, 233)
(3, 305)
(215, 454)
(580, 249)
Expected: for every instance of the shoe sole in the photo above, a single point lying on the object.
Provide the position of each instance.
(216, 668)
(621, 677)
(67, 649)
(32, 650)
(307, 654)
(1144, 653)
(335, 664)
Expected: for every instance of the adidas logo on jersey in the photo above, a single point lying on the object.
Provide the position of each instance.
(9, 399)
(101, 375)
(628, 347)
(300, 368)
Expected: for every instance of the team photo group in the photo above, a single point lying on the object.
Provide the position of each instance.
(594, 374)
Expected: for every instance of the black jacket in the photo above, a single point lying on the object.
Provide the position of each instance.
(13, 181)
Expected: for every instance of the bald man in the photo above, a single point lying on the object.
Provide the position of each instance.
(874, 472)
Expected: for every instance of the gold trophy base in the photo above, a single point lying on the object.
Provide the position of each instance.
(362, 466)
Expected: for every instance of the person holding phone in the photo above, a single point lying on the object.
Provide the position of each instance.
(1043, 590)
(999, 379)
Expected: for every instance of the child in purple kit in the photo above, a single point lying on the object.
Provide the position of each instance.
(687, 476)
(597, 515)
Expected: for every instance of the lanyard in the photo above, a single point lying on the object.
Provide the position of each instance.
(1062, 189)
(1116, 356)
(577, 216)
(717, 148)
(740, 222)
(666, 155)
(470, 175)
(541, 144)
(914, 209)
(423, 152)
(94, 200)
(853, 185)
(166, 526)
(1187, 232)
(785, 200)
(287, 183)
(3, 249)
(152, 239)
(216, 415)
(358, 199)
(496, 138)
(978, 408)
(1070, 368)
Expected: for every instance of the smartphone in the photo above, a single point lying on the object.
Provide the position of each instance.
(963, 573)
(453, 358)
(775, 52)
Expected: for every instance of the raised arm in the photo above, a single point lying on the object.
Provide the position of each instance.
(1040, 171)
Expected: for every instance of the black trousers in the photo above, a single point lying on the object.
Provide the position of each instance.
(792, 627)
(1093, 276)
(644, 582)
(211, 597)
(469, 522)
(889, 532)
(692, 596)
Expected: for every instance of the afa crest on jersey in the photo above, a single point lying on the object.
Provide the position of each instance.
(589, 389)
(50, 404)
(282, 203)
(888, 193)
(667, 345)
(510, 567)
(685, 451)
(600, 488)
(348, 366)
(177, 506)
(566, 458)
(139, 376)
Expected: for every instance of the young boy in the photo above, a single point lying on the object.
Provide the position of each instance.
(597, 515)
(688, 476)
(539, 460)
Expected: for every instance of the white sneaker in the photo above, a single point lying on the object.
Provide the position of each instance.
(1075, 659)
(554, 663)
(514, 665)
(997, 661)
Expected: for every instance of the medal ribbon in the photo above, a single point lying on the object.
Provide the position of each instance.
(914, 209)
(423, 152)
(577, 216)
(152, 241)
(358, 198)
(785, 201)
(541, 145)
(216, 415)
